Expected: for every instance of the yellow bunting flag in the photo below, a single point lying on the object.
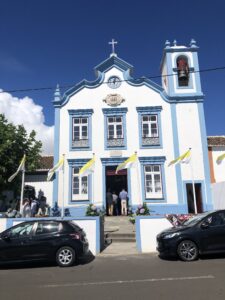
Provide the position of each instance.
(56, 168)
(20, 168)
(220, 158)
(127, 163)
(88, 168)
(184, 158)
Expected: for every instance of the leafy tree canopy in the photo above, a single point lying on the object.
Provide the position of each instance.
(14, 142)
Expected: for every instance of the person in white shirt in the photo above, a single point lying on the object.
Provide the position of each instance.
(123, 197)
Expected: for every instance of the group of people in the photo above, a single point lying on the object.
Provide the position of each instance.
(117, 204)
(33, 207)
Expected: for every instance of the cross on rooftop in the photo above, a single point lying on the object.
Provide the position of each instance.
(113, 43)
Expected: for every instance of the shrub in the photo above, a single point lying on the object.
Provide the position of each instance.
(93, 211)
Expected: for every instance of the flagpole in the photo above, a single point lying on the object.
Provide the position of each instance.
(93, 183)
(22, 190)
(62, 212)
(139, 182)
(193, 184)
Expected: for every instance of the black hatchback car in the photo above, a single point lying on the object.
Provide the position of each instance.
(202, 234)
(59, 240)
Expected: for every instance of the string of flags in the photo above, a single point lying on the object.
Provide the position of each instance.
(89, 167)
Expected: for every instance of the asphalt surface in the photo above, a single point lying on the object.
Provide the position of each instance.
(117, 277)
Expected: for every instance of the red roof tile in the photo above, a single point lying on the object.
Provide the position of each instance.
(216, 141)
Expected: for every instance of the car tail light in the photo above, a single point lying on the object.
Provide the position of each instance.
(75, 236)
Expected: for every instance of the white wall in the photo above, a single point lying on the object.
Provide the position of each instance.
(218, 195)
(219, 169)
(188, 126)
(148, 228)
(45, 186)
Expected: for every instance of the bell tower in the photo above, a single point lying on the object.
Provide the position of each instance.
(180, 71)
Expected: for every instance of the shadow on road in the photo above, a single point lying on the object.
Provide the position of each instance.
(88, 258)
(202, 257)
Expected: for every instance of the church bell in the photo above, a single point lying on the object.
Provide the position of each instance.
(182, 75)
(182, 67)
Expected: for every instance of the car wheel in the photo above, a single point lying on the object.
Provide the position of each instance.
(65, 256)
(187, 250)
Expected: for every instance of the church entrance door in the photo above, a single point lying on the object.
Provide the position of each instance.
(115, 183)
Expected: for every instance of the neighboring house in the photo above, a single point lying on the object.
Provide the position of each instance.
(38, 179)
(115, 116)
(216, 146)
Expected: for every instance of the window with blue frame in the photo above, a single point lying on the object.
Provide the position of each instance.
(153, 181)
(153, 178)
(80, 128)
(115, 128)
(79, 185)
(149, 126)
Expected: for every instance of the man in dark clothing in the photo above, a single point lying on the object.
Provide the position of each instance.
(109, 200)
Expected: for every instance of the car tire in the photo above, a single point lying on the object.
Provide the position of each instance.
(187, 250)
(65, 256)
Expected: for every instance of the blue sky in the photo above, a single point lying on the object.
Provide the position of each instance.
(48, 42)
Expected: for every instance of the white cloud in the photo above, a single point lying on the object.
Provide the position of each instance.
(25, 111)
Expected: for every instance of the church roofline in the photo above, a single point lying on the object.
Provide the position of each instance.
(113, 61)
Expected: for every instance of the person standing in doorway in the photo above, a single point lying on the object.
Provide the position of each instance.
(123, 197)
(109, 200)
(115, 203)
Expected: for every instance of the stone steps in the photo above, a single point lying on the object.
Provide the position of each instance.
(120, 237)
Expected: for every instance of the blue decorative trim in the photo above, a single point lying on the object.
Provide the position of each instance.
(169, 50)
(56, 155)
(113, 61)
(162, 209)
(149, 160)
(152, 159)
(176, 153)
(184, 49)
(197, 74)
(79, 86)
(207, 189)
(98, 234)
(114, 111)
(112, 162)
(149, 110)
(78, 163)
(118, 111)
(138, 234)
(185, 98)
(80, 113)
(142, 81)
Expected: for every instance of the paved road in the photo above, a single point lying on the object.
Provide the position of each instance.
(132, 277)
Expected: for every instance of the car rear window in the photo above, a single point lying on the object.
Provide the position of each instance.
(70, 227)
(47, 227)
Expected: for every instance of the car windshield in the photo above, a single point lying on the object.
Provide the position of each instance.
(194, 220)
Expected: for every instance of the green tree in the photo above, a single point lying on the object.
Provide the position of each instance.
(14, 142)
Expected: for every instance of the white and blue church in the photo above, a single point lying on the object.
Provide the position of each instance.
(115, 116)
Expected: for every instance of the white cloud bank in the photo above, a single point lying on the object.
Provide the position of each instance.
(25, 111)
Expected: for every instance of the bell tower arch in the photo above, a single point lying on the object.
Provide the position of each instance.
(180, 71)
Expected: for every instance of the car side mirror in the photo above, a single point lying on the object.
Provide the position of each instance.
(205, 225)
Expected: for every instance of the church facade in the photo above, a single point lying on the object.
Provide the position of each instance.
(115, 116)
